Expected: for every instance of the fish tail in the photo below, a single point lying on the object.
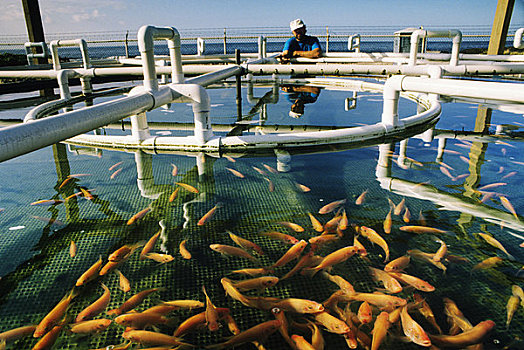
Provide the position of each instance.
(309, 271)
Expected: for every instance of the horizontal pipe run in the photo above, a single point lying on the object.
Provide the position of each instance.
(511, 92)
(418, 34)
(24, 138)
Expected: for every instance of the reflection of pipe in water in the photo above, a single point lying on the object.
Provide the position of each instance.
(445, 200)
(163, 237)
(145, 179)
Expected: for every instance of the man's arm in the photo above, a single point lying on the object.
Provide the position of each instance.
(315, 53)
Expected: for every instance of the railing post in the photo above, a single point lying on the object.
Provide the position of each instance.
(225, 42)
(327, 39)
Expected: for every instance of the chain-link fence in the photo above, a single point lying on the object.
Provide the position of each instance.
(227, 40)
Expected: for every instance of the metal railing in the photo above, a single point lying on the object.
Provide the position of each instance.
(227, 40)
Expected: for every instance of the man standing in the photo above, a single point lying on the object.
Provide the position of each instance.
(301, 45)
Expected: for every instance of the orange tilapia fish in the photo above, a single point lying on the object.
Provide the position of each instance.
(399, 207)
(209, 215)
(132, 302)
(95, 308)
(360, 200)
(292, 253)
(183, 250)
(90, 273)
(473, 336)
(330, 322)
(441, 252)
(148, 247)
(270, 184)
(380, 330)
(244, 243)
(173, 195)
(124, 252)
(235, 172)
(72, 249)
(233, 251)
(488, 263)
(253, 271)
(187, 187)
(494, 242)
(123, 282)
(388, 222)
(507, 204)
(159, 258)
(378, 299)
(390, 283)
(153, 338)
(47, 202)
(407, 215)
(364, 313)
(115, 174)
(291, 225)
(496, 184)
(334, 258)
(54, 316)
(212, 315)
(259, 283)
(374, 237)
(420, 229)
(196, 322)
(258, 332)
(511, 308)
(344, 221)
(413, 281)
(306, 260)
(344, 285)
(174, 171)
(399, 264)
(285, 238)
(413, 330)
(328, 208)
(114, 166)
(425, 310)
(138, 216)
(317, 226)
(91, 326)
(270, 168)
(140, 320)
(17, 333)
(260, 171)
(87, 194)
(302, 188)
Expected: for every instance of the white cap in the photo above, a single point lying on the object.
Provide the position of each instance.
(298, 23)
(295, 114)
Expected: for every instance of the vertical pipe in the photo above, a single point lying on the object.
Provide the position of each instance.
(126, 44)
(225, 40)
(327, 39)
(139, 126)
(239, 85)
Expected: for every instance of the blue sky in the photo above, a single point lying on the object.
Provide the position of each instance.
(66, 16)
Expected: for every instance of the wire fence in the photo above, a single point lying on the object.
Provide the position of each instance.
(227, 40)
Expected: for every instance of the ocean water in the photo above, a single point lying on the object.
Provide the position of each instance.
(37, 269)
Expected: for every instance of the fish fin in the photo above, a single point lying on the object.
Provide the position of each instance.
(309, 271)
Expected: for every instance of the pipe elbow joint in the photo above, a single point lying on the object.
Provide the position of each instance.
(145, 38)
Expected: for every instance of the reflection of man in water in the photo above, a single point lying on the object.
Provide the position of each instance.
(299, 96)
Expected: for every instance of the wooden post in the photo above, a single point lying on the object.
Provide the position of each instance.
(35, 32)
(499, 31)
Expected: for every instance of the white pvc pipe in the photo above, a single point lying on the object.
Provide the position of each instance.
(146, 37)
(201, 107)
(518, 43)
(81, 43)
(511, 92)
(420, 33)
(27, 137)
